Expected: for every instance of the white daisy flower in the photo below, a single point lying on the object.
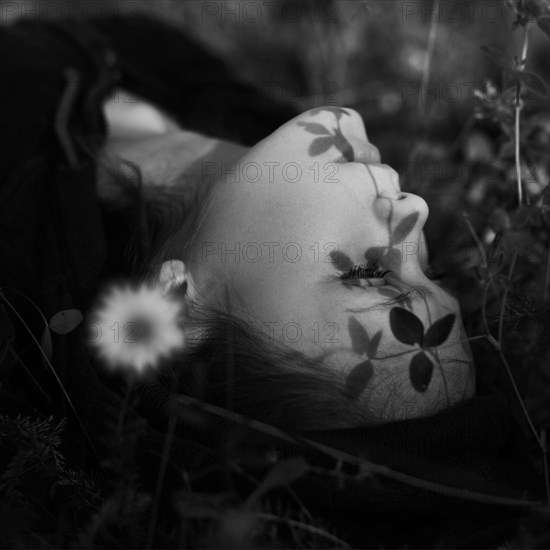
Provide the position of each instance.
(137, 326)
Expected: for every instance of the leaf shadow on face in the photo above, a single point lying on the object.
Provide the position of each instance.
(406, 326)
(328, 138)
(361, 374)
(420, 372)
(358, 379)
(342, 262)
(404, 227)
(401, 231)
(409, 329)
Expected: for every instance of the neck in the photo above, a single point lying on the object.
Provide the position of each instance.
(186, 160)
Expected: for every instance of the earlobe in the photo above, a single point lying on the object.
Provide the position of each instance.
(174, 276)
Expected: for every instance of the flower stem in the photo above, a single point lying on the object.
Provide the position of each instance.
(160, 480)
(520, 66)
(53, 371)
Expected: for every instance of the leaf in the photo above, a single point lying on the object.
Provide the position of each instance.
(6, 326)
(373, 345)
(65, 321)
(439, 331)
(406, 326)
(340, 260)
(315, 128)
(544, 25)
(404, 227)
(358, 379)
(47, 346)
(420, 372)
(359, 337)
(498, 56)
(320, 145)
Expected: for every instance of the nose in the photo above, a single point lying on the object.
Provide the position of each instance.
(385, 180)
(402, 214)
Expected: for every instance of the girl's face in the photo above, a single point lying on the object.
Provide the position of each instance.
(284, 229)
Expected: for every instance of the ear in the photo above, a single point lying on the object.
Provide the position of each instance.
(174, 276)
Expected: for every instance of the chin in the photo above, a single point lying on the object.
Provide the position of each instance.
(394, 398)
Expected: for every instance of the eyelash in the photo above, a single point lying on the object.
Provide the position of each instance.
(363, 271)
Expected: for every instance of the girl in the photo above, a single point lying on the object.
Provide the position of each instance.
(297, 259)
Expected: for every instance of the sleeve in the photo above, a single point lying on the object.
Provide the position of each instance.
(161, 63)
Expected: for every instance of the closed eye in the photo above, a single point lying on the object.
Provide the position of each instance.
(363, 271)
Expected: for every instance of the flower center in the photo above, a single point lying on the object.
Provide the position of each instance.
(140, 330)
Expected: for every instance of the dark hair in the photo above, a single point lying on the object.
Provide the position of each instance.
(234, 367)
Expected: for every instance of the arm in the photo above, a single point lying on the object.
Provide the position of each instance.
(166, 155)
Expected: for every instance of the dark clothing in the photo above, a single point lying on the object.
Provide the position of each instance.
(55, 247)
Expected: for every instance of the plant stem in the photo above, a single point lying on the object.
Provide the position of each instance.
(480, 246)
(160, 480)
(547, 276)
(517, 152)
(310, 528)
(505, 296)
(499, 349)
(368, 466)
(426, 68)
(543, 443)
(53, 371)
(516, 391)
(520, 66)
(33, 304)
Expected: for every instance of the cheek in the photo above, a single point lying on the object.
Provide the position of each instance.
(395, 384)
